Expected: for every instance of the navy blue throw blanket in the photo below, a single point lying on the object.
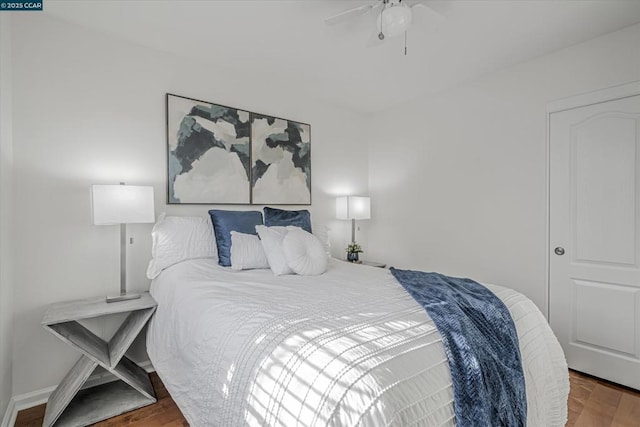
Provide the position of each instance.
(481, 344)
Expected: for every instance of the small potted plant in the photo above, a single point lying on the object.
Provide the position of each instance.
(352, 251)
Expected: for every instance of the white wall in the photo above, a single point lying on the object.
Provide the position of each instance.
(90, 108)
(458, 179)
(6, 160)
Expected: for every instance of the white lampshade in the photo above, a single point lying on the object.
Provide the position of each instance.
(353, 207)
(394, 20)
(122, 204)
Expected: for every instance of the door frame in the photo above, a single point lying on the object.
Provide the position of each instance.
(582, 100)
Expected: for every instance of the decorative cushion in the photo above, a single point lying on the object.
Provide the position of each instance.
(271, 239)
(224, 222)
(179, 238)
(304, 252)
(321, 231)
(280, 217)
(247, 252)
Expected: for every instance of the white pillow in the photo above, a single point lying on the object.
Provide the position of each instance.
(304, 252)
(321, 231)
(247, 252)
(178, 238)
(271, 239)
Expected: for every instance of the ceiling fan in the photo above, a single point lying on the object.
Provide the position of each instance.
(394, 19)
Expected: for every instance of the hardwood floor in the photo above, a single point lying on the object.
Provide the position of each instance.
(598, 403)
(592, 403)
(163, 413)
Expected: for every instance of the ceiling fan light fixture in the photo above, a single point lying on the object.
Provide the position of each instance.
(394, 20)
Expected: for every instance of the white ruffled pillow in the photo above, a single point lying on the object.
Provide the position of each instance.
(321, 231)
(304, 252)
(178, 238)
(247, 252)
(271, 239)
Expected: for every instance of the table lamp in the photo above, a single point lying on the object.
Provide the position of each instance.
(353, 207)
(122, 204)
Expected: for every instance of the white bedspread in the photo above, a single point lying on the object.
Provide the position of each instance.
(347, 348)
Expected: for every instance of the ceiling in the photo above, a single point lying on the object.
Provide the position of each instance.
(289, 41)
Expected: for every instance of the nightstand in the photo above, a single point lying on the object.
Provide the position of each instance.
(374, 264)
(70, 406)
(370, 263)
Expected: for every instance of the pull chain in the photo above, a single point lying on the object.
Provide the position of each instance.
(405, 43)
(381, 34)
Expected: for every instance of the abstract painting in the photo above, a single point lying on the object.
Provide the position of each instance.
(209, 149)
(280, 161)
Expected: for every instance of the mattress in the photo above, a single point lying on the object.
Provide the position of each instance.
(346, 348)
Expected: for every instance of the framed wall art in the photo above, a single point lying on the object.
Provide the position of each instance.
(223, 155)
(280, 161)
(209, 149)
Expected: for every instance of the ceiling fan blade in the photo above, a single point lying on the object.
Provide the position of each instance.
(437, 7)
(351, 13)
(425, 14)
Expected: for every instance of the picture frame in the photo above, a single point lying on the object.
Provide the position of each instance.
(224, 155)
(280, 161)
(208, 153)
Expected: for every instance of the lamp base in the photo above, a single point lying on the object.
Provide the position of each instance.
(122, 297)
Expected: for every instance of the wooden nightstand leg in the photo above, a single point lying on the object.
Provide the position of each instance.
(67, 389)
(126, 333)
(136, 377)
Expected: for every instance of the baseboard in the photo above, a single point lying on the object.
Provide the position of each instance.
(38, 397)
(10, 415)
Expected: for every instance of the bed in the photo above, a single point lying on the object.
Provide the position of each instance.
(346, 348)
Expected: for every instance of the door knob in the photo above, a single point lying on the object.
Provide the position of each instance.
(559, 251)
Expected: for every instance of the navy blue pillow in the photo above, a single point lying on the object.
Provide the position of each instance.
(273, 217)
(224, 222)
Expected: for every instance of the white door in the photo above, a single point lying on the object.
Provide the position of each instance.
(594, 293)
